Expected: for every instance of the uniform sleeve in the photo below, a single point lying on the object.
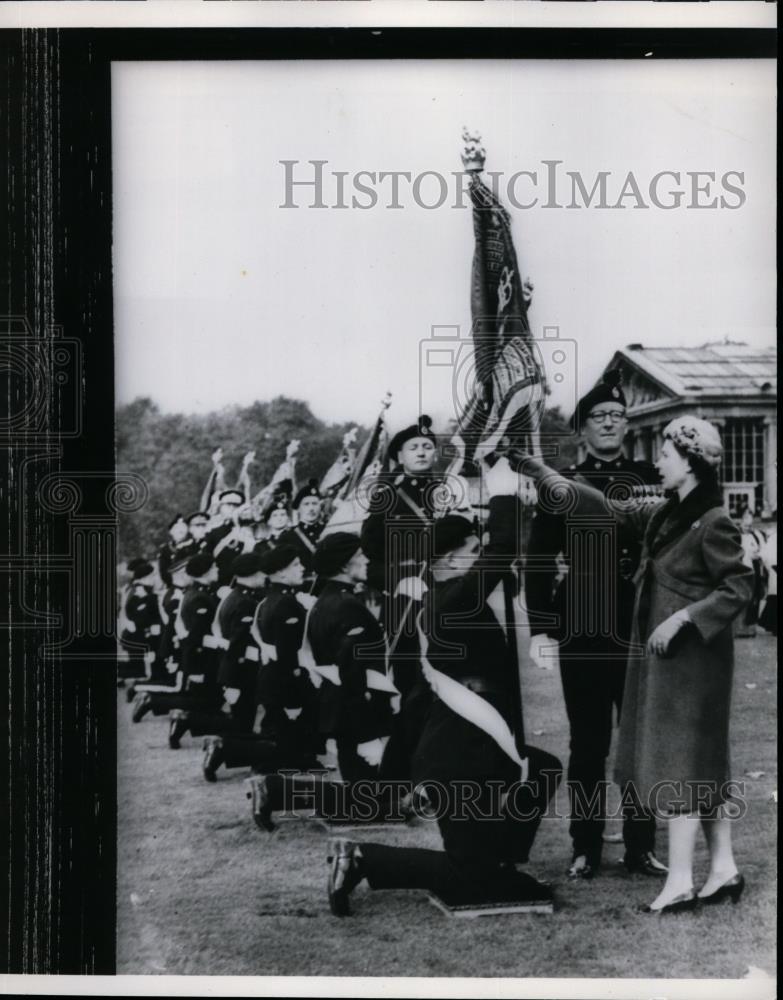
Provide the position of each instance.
(289, 634)
(722, 554)
(233, 661)
(546, 540)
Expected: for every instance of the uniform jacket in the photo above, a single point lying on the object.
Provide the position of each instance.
(675, 720)
(467, 641)
(590, 609)
(303, 537)
(239, 663)
(197, 613)
(169, 640)
(174, 552)
(342, 631)
(406, 501)
(141, 608)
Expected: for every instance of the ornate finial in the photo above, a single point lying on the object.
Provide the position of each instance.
(386, 401)
(473, 153)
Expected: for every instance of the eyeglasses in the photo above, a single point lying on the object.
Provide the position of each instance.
(614, 415)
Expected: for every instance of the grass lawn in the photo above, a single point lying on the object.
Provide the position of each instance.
(201, 891)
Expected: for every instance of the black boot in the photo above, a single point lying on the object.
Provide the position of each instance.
(213, 757)
(345, 873)
(262, 811)
(142, 703)
(178, 726)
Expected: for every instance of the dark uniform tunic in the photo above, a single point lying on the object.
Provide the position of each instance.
(227, 554)
(303, 538)
(175, 552)
(282, 682)
(240, 662)
(467, 642)
(343, 632)
(142, 610)
(590, 613)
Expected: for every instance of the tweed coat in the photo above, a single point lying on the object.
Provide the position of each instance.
(674, 730)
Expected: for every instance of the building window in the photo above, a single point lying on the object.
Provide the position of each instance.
(743, 459)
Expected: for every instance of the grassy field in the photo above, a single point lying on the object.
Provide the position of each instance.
(202, 892)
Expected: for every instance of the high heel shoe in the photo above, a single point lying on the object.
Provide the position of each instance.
(729, 890)
(685, 901)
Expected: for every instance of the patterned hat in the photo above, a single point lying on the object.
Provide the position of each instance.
(695, 436)
(421, 429)
(310, 489)
(608, 390)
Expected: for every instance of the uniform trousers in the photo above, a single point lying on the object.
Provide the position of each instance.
(593, 692)
(482, 840)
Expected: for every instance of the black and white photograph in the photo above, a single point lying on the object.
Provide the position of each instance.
(406, 468)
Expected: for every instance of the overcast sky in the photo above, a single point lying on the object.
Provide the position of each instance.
(223, 297)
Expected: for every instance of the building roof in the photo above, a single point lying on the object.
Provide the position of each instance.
(728, 369)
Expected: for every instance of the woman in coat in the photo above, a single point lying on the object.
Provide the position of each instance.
(674, 730)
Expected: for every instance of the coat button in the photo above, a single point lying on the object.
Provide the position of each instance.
(367, 696)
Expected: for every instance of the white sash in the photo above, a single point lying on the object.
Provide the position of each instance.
(471, 707)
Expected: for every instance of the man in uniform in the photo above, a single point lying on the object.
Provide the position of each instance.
(179, 547)
(277, 520)
(356, 698)
(593, 599)
(237, 672)
(489, 790)
(288, 736)
(227, 538)
(304, 535)
(140, 622)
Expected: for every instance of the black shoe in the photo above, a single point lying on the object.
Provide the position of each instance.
(644, 864)
(178, 726)
(213, 757)
(344, 875)
(526, 888)
(729, 890)
(582, 867)
(142, 703)
(262, 811)
(680, 904)
(130, 692)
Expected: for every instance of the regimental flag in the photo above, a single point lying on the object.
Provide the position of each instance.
(339, 473)
(508, 391)
(352, 504)
(372, 459)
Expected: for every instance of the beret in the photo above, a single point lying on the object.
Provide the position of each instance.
(697, 437)
(231, 493)
(140, 568)
(310, 489)
(199, 565)
(279, 502)
(422, 428)
(278, 558)
(608, 390)
(450, 532)
(334, 551)
(247, 564)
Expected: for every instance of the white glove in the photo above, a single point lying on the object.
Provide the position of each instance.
(544, 652)
(372, 750)
(293, 713)
(501, 480)
(411, 586)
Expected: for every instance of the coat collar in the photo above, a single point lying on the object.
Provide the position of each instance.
(675, 517)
